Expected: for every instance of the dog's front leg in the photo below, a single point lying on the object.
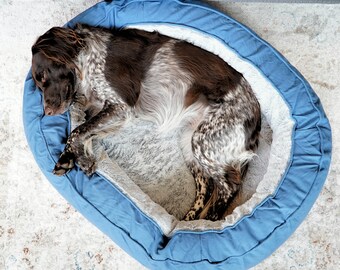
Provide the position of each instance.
(78, 109)
(108, 120)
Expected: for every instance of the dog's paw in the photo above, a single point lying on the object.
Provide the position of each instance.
(191, 215)
(87, 164)
(64, 164)
(213, 216)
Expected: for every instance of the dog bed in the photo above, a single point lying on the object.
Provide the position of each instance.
(138, 195)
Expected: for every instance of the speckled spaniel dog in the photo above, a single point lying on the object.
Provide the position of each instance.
(112, 76)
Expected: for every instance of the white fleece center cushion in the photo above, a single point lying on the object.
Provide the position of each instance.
(149, 169)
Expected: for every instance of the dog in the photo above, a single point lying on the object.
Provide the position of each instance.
(112, 75)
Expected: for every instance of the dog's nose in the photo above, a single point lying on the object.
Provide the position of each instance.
(48, 111)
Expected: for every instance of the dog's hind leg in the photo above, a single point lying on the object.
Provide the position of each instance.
(202, 192)
(108, 120)
(213, 194)
(220, 151)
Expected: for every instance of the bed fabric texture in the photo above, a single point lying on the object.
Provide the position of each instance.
(146, 231)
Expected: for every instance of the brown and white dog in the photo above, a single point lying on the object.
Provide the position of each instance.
(112, 76)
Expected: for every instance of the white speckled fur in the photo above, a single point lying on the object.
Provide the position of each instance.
(163, 92)
(91, 62)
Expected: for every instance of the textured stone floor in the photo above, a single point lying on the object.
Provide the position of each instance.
(40, 230)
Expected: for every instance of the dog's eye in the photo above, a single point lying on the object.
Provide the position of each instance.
(41, 77)
(38, 77)
(68, 91)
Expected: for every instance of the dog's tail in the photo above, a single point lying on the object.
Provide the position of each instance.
(224, 189)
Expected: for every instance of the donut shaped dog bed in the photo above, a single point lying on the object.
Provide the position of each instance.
(294, 153)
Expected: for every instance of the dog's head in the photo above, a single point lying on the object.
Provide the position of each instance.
(54, 69)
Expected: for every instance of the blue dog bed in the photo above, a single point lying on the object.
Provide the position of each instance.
(153, 236)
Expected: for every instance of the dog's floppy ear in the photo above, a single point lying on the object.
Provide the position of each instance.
(58, 46)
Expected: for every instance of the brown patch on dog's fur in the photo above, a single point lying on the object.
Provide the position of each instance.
(213, 77)
(192, 96)
(130, 53)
